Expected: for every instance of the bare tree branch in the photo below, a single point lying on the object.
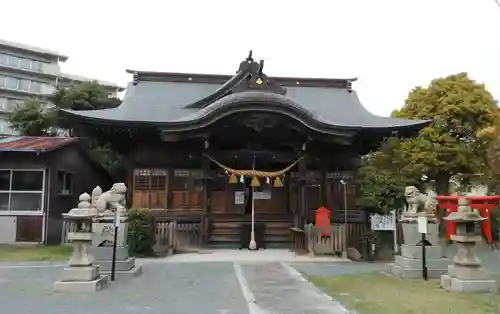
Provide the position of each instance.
(497, 2)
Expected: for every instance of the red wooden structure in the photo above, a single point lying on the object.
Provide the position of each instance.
(449, 203)
(485, 204)
(323, 220)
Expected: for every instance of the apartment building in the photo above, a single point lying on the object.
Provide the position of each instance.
(27, 71)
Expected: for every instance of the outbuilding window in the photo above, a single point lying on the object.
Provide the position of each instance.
(21, 191)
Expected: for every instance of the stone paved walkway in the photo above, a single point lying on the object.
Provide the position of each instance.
(175, 288)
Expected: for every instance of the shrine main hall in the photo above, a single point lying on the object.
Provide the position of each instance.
(201, 147)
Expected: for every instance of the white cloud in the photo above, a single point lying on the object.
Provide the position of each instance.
(391, 45)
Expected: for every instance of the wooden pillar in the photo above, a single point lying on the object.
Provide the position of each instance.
(323, 184)
(129, 166)
(302, 213)
(205, 204)
(170, 176)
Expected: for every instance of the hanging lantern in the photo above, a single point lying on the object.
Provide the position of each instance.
(242, 179)
(233, 179)
(267, 180)
(255, 182)
(278, 183)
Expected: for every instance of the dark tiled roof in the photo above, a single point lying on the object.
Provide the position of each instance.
(175, 99)
(165, 102)
(33, 143)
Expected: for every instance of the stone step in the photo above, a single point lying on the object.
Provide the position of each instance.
(411, 273)
(105, 253)
(415, 251)
(124, 265)
(134, 272)
(459, 285)
(416, 263)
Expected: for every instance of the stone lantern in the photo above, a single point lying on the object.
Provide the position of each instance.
(466, 273)
(82, 274)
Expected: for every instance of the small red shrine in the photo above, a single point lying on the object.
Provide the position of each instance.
(323, 220)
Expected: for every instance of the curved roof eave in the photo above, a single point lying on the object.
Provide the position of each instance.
(257, 101)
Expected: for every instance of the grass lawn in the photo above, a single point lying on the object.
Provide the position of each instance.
(35, 252)
(375, 293)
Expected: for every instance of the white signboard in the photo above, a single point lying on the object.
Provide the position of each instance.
(239, 197)
(383, 222)
(422, 224)
(264, 195)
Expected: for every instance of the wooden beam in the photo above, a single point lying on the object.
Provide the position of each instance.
(323, 183)
(267, 155)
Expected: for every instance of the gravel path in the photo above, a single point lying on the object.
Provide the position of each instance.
(173, 288)
(223, 287)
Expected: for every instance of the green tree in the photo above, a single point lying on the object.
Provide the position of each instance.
(32, 118)
(84, 96)
(456, 142)
(381, 180)
(81, 96)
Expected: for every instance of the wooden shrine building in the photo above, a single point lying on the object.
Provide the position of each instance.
(196, 144)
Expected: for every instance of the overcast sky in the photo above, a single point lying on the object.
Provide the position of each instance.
(390, 45)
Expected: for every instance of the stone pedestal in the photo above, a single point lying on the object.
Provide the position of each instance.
(466, 273)
(409, 263)
(411, 236)
(81, 275)
(103, 233)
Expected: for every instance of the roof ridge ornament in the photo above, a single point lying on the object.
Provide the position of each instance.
(261, 67)
(249, 59)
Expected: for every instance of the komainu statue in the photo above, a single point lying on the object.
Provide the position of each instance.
(419, 202)
(110, 201)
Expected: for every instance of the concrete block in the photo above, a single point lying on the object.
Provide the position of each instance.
(80, 273)
(408, 273)
(411, 236)
(128, 264)
(416, 263)
(458, 285)
(415, 251)
(467, 273)
(105, 253)
(81, 286)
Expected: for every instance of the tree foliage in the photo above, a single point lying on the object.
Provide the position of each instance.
(42, 118)
(458, 142)
(381, 180)
(81, 96)
(84, 96)
(455, 143)
(32, 118)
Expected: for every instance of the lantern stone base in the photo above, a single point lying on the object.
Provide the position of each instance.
(468, 285)
(81, 279)
(468, 279)
(81, 286)
(409, 264)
